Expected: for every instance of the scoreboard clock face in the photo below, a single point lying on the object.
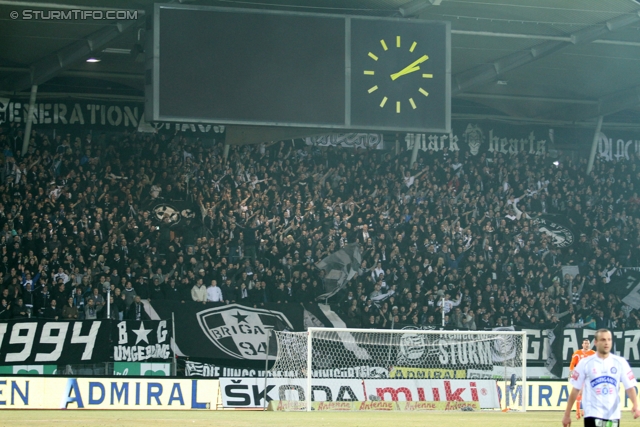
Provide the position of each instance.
(397, 92)
(257, 67)
(399, 74)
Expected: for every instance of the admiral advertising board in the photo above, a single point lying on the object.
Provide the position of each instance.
(107, 393)
(545, 396)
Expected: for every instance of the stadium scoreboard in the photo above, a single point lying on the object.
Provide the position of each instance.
(260, 67)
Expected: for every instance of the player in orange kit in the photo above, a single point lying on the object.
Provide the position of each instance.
(577, 356)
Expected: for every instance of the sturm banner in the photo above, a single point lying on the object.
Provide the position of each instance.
(40, 342)
(138, 341)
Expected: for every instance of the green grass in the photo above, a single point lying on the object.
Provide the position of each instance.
(95, 418)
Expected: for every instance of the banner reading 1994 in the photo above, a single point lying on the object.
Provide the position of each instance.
(48, 342)
(39, 342)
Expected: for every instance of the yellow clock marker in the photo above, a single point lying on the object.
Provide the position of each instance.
(413, 46)
(413, 104)
(369, 73)
(424, 92)
(384, 45)
(384, 101)
(427, 76)
(398, 107)
(373, 89)
(372, 56)
(397, 41)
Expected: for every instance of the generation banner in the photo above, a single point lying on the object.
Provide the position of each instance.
(97, 116)
(42, 342)
(107, 393)
(249, 393)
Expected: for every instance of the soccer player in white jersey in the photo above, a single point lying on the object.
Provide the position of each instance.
(599, 377)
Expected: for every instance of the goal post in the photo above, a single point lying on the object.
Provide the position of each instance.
(407, 369)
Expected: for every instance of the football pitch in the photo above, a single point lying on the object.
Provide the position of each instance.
(35, 418)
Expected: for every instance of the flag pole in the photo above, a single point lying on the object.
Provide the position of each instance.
(266, 370)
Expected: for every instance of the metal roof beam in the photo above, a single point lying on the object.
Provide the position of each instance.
(486, 73)
(51, 65)
(619, 101)
(414, 7)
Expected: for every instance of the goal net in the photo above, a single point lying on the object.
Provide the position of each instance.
(365, 369)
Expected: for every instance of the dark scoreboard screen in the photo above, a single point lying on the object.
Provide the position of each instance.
(257, 67)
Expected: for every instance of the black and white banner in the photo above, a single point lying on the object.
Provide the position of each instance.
(496, 137)
(348, 140)
(172, 210)
(625, 283)
(555, 360)
(539, 345)
(39, 342)
(138, 341)
(557, 228)
(340, 267)
(217, 334)
(199, 369)
(210, 370)
(218, 331)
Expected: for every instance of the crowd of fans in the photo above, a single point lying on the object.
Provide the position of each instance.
(452, 238)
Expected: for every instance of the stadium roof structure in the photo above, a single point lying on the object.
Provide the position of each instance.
(543, 61)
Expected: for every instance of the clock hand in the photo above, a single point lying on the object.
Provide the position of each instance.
(410, 68)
